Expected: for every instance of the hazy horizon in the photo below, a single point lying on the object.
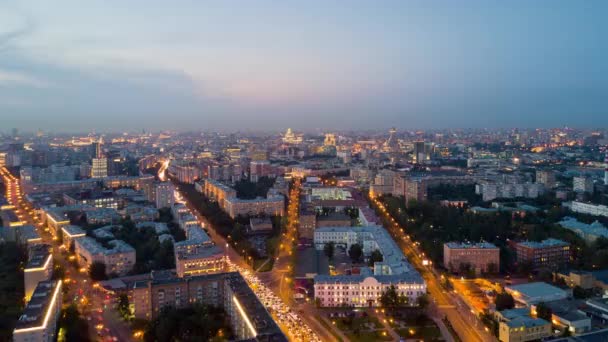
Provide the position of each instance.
(258, 66)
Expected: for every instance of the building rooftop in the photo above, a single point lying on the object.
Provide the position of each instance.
(595, 228)
(118, 246)
(466, 245)
(72, 230)
(526, 321)
(203, 251)
(38, 257)
(392, 255)
(537, 289)
(262, 322)
(544, 244)
(36, 312)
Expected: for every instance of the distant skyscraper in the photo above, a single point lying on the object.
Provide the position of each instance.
(99, 167)
(330, 139)
(423, 151)
(391, 144)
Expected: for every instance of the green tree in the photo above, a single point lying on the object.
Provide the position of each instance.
(355, 252)
(97, 271)
(580, 293)
(376, 256)
(389, 298)
(422, 301)
(72, 326)
(504, 301)
(329, 250)
(543, 311)
(123, 306)
(195, 323)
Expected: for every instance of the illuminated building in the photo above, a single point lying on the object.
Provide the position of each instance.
(70, 234)
(164, 195)
(273, 206)
(119, 259)
(524, 328)
(38, 321)
(39, 268)
(217, 191)
(480, 257)
(138, 182)
(291, 138)
(423, 151)
(391, 144)
(364, 289)
(99, 168)
(549, 253)
(249, 319)
(330, 139)
(529, 294)
(198, 259)
(56, 219)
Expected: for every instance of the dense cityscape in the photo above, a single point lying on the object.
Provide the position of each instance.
(303, 171)
(455, 235)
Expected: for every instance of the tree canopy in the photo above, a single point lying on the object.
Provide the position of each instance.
(355, 252)
(504, 301)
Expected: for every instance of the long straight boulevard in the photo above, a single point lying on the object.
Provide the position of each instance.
(464, 322)
(290, 322)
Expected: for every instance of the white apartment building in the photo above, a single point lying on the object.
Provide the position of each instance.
(589, 208)
(39, 319)
(365, 289)
(119, 259)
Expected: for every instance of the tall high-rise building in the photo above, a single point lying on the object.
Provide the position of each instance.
(99, 167)
(423, 151)
(391, 144)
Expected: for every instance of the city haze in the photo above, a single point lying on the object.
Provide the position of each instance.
(263, 65)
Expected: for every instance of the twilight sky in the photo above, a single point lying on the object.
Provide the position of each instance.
(259, 65)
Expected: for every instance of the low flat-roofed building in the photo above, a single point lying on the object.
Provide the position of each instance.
(534, 293)
(480, 257)
(38, 322)
(568, 314)
(523, 328)
(39, 267)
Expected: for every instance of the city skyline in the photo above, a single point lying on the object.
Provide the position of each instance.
(265, 66)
